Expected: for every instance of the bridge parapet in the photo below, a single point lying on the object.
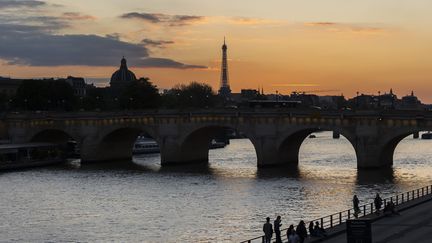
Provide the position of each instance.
(183, 136)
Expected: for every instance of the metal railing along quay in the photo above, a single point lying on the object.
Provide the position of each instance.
(339, 218)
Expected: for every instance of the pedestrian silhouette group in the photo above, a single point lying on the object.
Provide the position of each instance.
(294, 235)
(300, 233)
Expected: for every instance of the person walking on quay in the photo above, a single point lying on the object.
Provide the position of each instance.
(301, 231)
(311, 229)
(319, 230)
(293, 236)
(378, 203)
(268, 231)
(277, 224)
(356, 206)
(290, 231)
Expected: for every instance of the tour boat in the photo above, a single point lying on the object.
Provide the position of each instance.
(215, 144)
(427, 135)
(145, 145)
(17, 156)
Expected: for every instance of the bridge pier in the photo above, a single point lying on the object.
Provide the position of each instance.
(269, 154)
(174, 153)
(372, 155)
(105, 151)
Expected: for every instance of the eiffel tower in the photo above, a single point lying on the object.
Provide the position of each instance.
(225, 90)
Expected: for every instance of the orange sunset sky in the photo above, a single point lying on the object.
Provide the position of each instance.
(337, 46)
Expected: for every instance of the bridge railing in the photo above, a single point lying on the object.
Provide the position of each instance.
(339, 218)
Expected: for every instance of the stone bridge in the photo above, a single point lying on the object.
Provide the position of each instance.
(183, 137)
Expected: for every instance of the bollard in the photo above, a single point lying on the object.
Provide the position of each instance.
(340, 218)
(364, 210)
(397, 200)
(331, 221)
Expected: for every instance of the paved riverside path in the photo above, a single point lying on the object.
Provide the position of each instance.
(413, 225)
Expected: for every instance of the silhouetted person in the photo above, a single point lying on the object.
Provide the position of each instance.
(301, 231)
(290, 230)
(356, 206)
(277, 224)
(311, 229)
(293, 237)
(319, 230)
(390, 209)
(268, 231)
(378, 203)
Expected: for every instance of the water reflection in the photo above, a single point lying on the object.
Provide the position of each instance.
(381, 176)
(199, 169)
(223, 201)
(292, 172)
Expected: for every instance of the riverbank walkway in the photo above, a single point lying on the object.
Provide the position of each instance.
(414, 224)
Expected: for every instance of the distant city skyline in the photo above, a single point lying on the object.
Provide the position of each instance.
(287, 46)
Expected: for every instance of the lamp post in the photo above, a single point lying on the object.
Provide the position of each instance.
(9, 104)
(116, 104)
(379, 98)
(81, 103)
(97, 102)
(130, 102)
(357, 99)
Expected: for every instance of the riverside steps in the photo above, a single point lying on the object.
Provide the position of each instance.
(414, 224)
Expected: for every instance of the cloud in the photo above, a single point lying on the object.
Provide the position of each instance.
(252, 21)
(34, 46)
(153, 18)
(77, 16)
(320, 24)
(347, 28)
(156, 43)
(163, 62)
(170, 20)
(115, 36)
(20, 4)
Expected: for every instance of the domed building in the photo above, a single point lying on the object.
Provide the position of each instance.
(122, 77)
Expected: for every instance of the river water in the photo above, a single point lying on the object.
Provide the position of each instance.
(225, 201)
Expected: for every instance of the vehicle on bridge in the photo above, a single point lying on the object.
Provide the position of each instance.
(18, 156)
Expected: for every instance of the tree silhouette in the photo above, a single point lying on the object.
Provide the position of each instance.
(140, 94)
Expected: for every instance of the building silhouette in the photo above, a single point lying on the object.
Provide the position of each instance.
(225, 90)
(121, 78)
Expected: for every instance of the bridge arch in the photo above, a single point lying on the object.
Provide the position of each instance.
(115, 144)
(289, 147)
(195, 145)
(390, 144)
(57, 136)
